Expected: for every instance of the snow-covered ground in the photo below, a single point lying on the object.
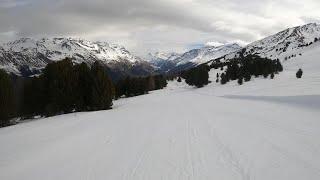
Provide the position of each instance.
(264, 129)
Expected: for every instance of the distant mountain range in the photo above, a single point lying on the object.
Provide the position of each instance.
(284, 46)
(174, 62)
(28, 56)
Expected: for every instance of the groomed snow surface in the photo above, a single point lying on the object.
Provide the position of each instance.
(265, 130)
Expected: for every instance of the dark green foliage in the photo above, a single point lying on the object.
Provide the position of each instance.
(160, 82)
(59, 83)
(299, 73)
(272, 76)
(278, 67)
(33, 97)
(64, 88)
(240, 81)
(135, 86)
(247, 77)
(102, 90)
(83, 87)
(7, 107)
(224, 79)
(245, 67)
(179, 79)
(197, 76)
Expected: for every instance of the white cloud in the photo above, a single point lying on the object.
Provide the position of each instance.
(215, 44)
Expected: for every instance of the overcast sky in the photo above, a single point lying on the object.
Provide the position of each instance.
(154, 25)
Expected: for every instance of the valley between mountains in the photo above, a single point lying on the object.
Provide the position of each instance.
(263, 129)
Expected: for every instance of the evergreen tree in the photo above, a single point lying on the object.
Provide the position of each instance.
(179, 79)
(299, 73)
(279, 66)
(240, 81)
(82, 91)
(272, 76)
(7, 108)
(197, 76)
(246, 66)
(102, 90)
(59, 84)
(160, 81)
(33, 97)
(151, 83)
(223, 79)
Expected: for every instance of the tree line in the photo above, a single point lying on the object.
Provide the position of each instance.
(243, 68)
(135, 86)
(197, 76)
(64, 87)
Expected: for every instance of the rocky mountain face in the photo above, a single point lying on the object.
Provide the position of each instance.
(28, 56)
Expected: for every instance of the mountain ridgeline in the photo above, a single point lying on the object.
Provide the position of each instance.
(26, 56)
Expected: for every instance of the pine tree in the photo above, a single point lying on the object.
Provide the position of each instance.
(279, 66)
(272, 75)
(59, 83)
(240, 81)
(33, 97)
(179, 79)
(7, 108)
(83, 85)
(223, 78)
(299, 73)
(197, 76)
(102, 90)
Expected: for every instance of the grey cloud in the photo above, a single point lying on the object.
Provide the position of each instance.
(150, 25)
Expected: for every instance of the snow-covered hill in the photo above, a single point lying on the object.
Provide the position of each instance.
(34, 54)
(264, 129)
(285, 45)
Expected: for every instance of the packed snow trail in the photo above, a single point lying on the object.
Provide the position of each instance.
(177, 133)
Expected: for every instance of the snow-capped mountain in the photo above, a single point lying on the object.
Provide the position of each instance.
(163, 61)
(160, 56)
(285, 45)
(32, 55)
(174, 62)
(286, 42)
(207, 53)
(28, 56)
(195, 57)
